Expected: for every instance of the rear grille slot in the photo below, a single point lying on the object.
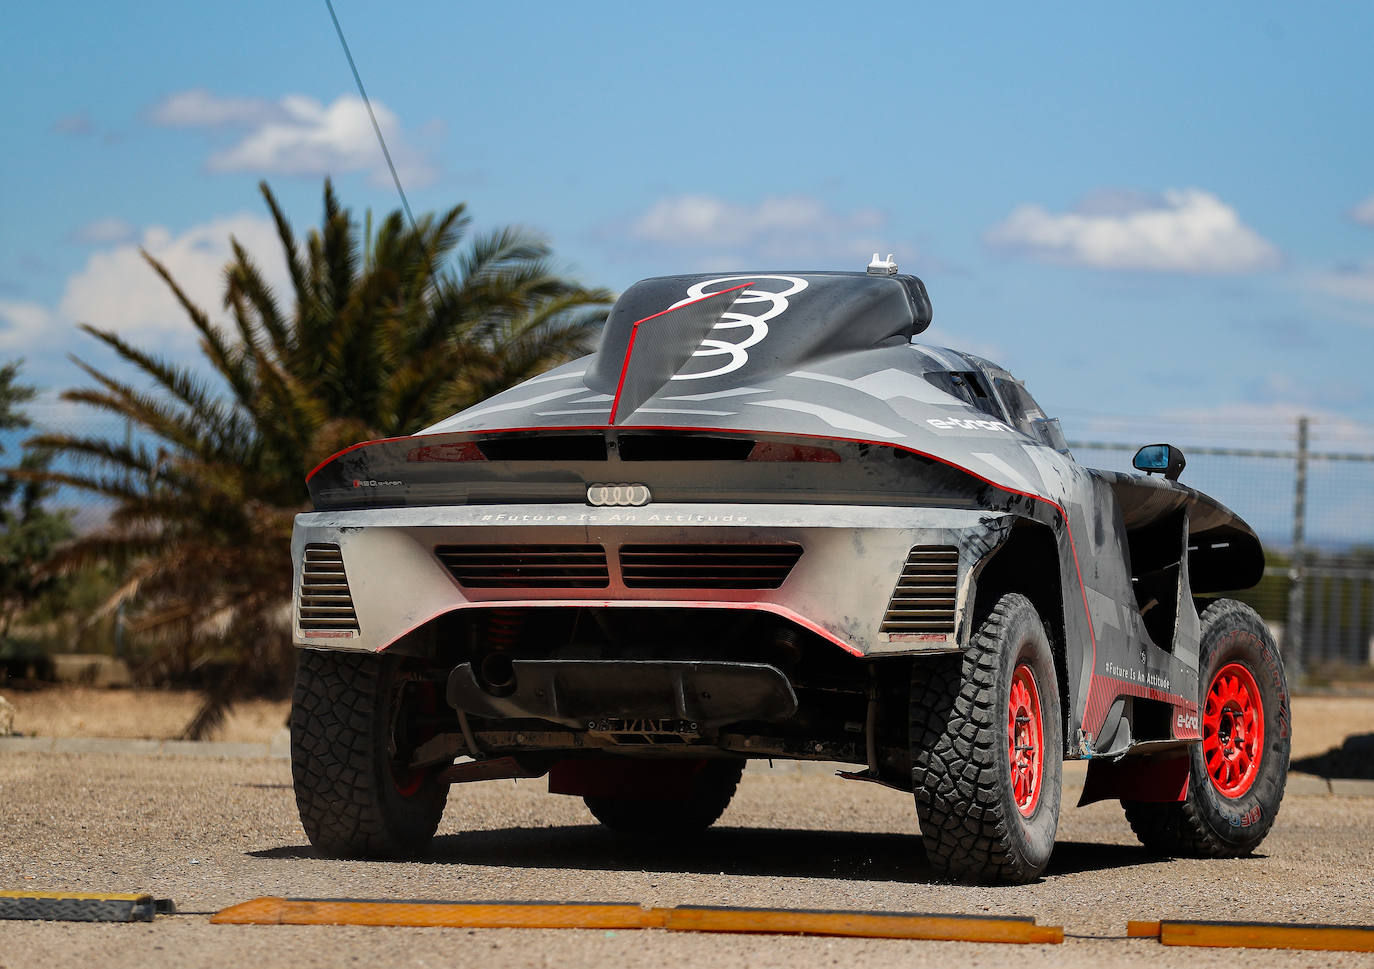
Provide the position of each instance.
(923, 601)
(707, 566)
(526, 566)
(325, 600)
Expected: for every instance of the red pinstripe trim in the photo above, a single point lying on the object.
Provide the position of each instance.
(354, 447)
(634, 332)
(624, 369)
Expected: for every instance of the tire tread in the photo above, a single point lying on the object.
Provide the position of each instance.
(1181, 829)
(954, 724)
(334, 761)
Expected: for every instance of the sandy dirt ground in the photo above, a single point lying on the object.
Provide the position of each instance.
(208, 833)
(86, 711)
(1320, 723)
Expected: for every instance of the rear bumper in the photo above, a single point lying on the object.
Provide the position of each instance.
(841, 587)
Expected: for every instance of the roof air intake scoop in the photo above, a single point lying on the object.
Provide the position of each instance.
(660, 344)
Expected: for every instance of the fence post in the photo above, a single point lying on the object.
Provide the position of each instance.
(1297, 590)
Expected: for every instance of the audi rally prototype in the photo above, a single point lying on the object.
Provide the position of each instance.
(761, 521)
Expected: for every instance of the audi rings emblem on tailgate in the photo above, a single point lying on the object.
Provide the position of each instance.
(615, 495)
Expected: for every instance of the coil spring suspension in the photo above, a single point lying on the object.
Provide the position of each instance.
(504, 627)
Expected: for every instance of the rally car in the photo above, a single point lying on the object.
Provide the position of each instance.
(763, 521)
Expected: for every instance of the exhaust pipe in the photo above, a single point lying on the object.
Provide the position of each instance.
(498, 674)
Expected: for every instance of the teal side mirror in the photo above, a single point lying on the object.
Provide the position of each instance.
(1164, 458)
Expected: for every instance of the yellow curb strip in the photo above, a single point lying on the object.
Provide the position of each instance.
(536, 915)
(490, 915)
(1245, 935)
(872, 925)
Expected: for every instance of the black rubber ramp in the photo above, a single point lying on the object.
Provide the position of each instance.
(82, 907)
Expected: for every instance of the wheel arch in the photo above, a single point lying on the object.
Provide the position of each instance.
(1028, 563)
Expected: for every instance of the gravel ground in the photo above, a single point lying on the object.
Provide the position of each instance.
(208, 833)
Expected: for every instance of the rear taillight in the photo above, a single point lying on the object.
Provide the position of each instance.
(771, 451)
(467, 451)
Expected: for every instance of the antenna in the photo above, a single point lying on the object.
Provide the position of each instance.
(375, 127)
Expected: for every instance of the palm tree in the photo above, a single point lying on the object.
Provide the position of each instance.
(386, 333)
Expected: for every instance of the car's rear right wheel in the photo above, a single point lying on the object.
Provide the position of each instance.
(987, 750)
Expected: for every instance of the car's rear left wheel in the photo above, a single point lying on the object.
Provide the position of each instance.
(708, 787)
(1238, 771)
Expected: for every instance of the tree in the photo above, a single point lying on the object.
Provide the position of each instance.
(29, 534)
(384, 334)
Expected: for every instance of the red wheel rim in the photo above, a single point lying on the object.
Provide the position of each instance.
(1025, 740)
(1233, 730)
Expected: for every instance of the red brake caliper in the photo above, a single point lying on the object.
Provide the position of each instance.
(1233, 730)
(1025, 740)
(408, 782)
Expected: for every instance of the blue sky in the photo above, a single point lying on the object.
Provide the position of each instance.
(1161, 217)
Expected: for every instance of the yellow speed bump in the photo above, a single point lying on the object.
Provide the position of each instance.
(1258, 935)
(574, 915)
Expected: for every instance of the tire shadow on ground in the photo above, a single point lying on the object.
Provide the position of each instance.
(785, 853)
(1079, 857)
(721, 850)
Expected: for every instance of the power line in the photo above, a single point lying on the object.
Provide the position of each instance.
(375, 127)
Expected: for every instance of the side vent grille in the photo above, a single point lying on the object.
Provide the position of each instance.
(526, 566)
(325, 602)
(923, 601)
(707, 566)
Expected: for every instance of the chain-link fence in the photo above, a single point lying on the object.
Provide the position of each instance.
(1307, 491)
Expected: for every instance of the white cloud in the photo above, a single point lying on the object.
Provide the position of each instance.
(198, 108)
(1184, 231)
(103, 232)
(118, 290)
(783, 229)
(298, 135)
(1364, 212)
(1354, 282)
(74, 124)
(24, 326)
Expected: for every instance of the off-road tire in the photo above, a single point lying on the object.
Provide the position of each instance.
(713, 786)
(1208, 823)
(350, 801)
(971, 823)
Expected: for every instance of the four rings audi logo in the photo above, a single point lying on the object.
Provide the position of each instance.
(618, 494)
